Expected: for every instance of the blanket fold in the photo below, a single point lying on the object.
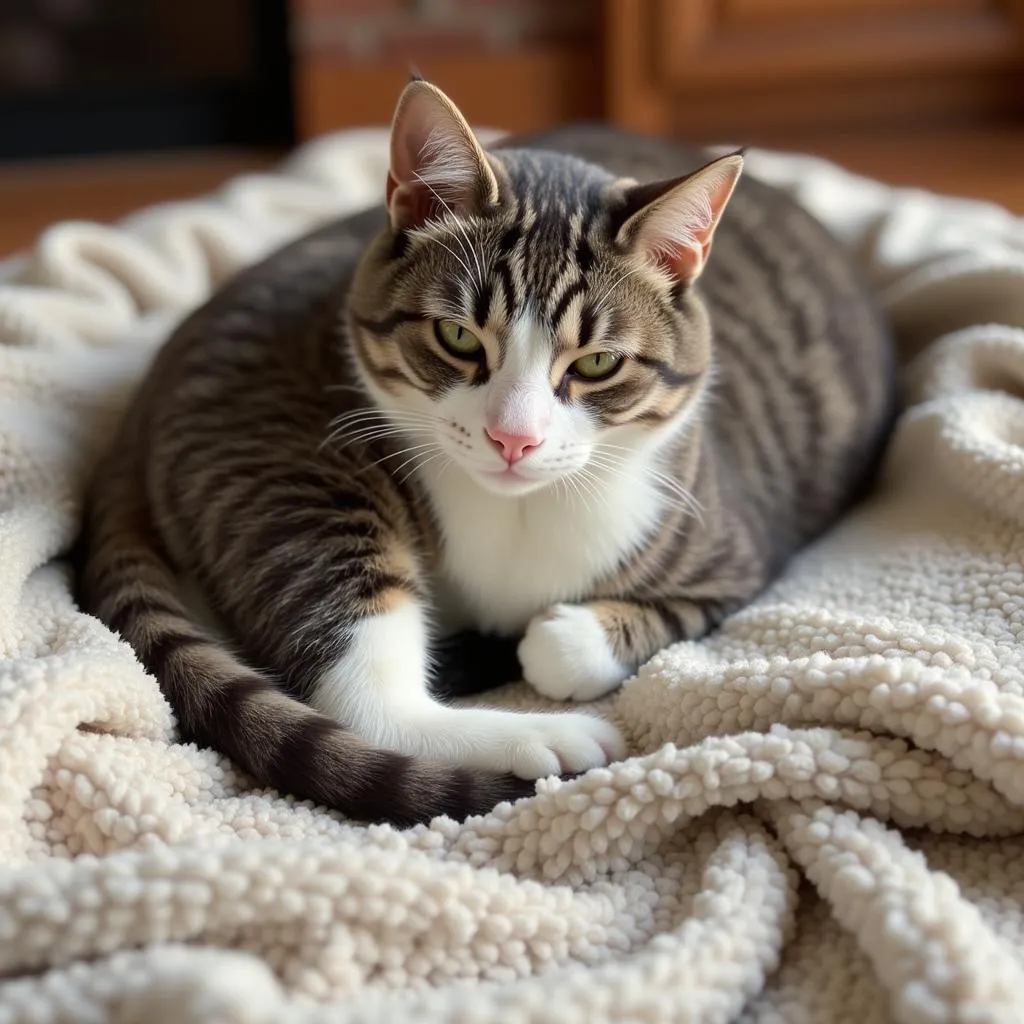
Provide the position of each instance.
(822, 816)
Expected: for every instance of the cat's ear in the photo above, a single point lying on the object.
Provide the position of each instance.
(673, 222)
(437, 164)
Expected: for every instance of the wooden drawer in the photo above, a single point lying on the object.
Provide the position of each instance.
(755, 68)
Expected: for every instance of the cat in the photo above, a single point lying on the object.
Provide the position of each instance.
(520, 400)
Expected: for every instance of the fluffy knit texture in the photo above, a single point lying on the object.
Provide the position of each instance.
(822, 819)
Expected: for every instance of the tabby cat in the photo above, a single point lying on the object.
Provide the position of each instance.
(518, 401)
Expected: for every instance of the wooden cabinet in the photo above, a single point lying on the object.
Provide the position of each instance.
(766, 70)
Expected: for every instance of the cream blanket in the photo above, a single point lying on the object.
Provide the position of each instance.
(823, 818)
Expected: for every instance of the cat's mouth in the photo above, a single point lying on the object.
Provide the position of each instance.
(509, 472)
(510, 480)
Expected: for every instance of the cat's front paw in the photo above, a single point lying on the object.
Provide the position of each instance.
(565, 655)
(535, 746)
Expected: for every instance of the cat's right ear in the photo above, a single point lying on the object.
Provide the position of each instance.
(437, 165)
(672, 223)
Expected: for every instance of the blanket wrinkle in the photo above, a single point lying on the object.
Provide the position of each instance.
(823, 811)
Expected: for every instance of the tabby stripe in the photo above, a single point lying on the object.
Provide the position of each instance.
(708, 570)
(249, 493)
(508, 286)
(159, 650)
(588, 321)
(584, 255)
(758, 399)
(774, 273)
(531, 241)
(509, 240)
(813, 428)
(562, 305)
(626, 638)
(668, 376)
(118, 565)
(452, 293)
(482, 304)
(388, 324)
(668, 566)
(232, 723)
(715, 611)
(670, 619)
(654, 571)
(755, 395)
(132, 609)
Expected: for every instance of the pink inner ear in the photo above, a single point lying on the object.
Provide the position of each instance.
(684, 261)
(436, 163)
(411, 205)
(676, 229)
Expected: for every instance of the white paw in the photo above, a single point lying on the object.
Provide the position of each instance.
(565, 655)
(534, 746)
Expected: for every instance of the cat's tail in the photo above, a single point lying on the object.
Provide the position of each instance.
(222, 703)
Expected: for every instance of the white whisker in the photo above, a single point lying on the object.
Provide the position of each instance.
(613, 462)
(357, 422)
(577, 486)
(368, 413)
(456, 256)
(458, 223)
(417, 449)
(444, 468)
(599, 305)
(363, 425)
(417, 466)
(367, 436)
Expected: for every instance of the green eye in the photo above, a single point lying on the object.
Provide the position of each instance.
(597, 365)
(456, 338)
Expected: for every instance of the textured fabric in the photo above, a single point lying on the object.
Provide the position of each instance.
(823, 818)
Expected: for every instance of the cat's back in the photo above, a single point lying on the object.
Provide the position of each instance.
(268, 317)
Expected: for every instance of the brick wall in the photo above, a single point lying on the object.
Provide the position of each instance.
(365, 31)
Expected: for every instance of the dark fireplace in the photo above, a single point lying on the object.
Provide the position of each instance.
(82, 77)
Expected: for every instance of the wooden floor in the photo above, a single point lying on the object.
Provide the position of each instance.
(36, 194)
(983, 164)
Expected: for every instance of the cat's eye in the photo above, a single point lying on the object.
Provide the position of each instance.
(597, 365)
(454, 337)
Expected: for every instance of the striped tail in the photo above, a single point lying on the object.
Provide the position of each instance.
(222, 703)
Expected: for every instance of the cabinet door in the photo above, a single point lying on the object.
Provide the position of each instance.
(734, 65)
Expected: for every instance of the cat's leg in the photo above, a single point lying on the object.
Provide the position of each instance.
(583, 651)
(324, 582)
(379, 689)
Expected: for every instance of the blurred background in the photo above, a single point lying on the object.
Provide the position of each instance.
(108, 105)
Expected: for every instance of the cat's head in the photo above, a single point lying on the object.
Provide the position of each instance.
(527, 316)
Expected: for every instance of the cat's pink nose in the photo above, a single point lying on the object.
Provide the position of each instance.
(513, 447)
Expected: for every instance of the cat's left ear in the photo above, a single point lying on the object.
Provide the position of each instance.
(673, 222)
(437, 164)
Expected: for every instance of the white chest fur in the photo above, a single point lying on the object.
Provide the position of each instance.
(508, 559)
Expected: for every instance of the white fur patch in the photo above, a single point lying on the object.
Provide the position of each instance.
(565, 655)
(506, 559)
(378, 689)
(519, 398)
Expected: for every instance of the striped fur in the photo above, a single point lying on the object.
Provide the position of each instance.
(304, 496)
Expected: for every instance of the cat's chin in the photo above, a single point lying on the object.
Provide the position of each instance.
(509, 483)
